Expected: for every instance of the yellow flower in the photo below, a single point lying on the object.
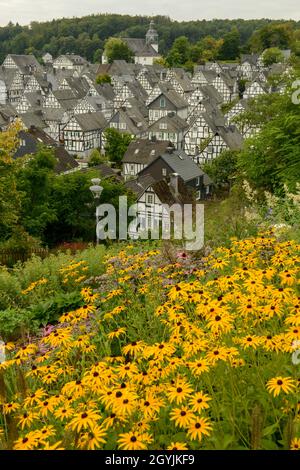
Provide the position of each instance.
(28, 442)
(177, 446)
(179, 392)
(279, 384)
(199, 402)
(116, 333)
(84, 420)
(295, 444)
(26, 419)
(93, 438)
(182, 416)
(133, 441)
(198, 428)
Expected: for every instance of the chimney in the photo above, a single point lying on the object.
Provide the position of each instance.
(170, 148)
(174, 183)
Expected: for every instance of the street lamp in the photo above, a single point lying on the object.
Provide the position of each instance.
(96, 190)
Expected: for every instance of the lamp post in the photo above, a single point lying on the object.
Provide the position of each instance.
(96, 190)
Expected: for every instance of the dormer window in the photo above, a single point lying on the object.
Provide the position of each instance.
(162, 102)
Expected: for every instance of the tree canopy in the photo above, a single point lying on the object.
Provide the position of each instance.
(86, 35)
(117, 49)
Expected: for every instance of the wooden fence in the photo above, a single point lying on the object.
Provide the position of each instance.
(11, 257)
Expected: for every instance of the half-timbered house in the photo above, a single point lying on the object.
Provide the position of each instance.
(83, 133)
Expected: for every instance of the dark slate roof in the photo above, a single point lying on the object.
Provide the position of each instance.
(251, 58)
(184, 80)
(105, 171)
(167, 195)
(78, 85)
(138, 104)
(34, 98)
(24, 62)
(75, 59)
(118, 67)
(211, 92)
(177, 100)
(91, 121)
(163, 189)
(182, 164)
(33, 137)
(144, 151)
(106, 90)
(140, 48)
(53, 114)
(140, 185)
(8, 75)
(33, 119)
(231, 136)
(174, 124)
(136, 123)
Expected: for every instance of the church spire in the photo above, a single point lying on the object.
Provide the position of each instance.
(152, 36)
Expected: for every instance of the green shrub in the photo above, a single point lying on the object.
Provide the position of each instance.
(15, 323)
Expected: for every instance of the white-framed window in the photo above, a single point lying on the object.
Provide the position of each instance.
(123, 125)
(113, 125)
(163, 125)
(162, 102)
(198, 195)
(164, 171)
(150, 198)
(198, 181)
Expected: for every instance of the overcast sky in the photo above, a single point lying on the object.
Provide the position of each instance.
(24, 11)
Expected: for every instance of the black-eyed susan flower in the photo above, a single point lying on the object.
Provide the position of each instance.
(28, 442)
(116, 333)
(199, 401)
(295, 444)
(133, 441)
(281, 384)
(179, 392)
(177, 446)
(133, 348)
(10, 407)
(92, 439)
(27, 418)
(198, 428)
(84, 420)
(182, 416)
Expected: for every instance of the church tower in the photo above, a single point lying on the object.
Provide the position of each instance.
(152, 37)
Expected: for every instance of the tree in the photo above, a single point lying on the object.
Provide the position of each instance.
(103, 78)
(74, 205)
(271, 159)
(116, 144)
(179, 53)
(117, 49)
(211, 47)
(96, 158)
(35, 180)
(272, 56)
(10, 197)
(272, 35)
(230, 48)
(223, 169)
